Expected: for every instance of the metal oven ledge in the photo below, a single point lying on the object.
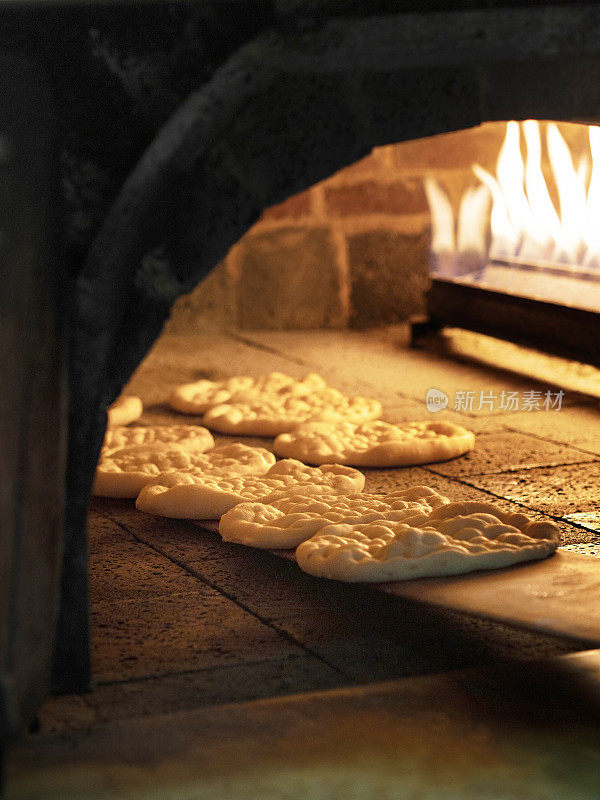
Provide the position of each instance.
(562, 330)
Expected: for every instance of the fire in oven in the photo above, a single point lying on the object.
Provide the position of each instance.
(300, 422)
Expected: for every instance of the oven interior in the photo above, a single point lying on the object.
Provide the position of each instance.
(241, 189)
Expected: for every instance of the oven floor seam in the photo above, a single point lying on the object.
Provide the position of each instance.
(199, 671)
(265, 621)
(541, 438)
(554, 517)
(267, 349)
(512, 470)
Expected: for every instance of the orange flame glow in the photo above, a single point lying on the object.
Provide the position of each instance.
(524, 223)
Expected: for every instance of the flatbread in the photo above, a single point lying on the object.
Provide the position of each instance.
(455, 538)
(273, 415)
(124, 410)
(293, 518)
(269, 404)
(187, 494)
(187, 437)
(125, 472)
(375, 443)
(198, 397)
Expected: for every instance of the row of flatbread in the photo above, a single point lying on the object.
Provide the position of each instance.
(269, 404)
(310, 421)
(339, 530)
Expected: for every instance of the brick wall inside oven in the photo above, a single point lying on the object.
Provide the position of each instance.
(351, 251)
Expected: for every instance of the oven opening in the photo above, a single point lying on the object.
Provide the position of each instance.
(332, 281)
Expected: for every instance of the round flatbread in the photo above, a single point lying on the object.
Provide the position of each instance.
(293, 518)
(125, 472)
(455, 538)
(375, 443)
(269, 404)
(271, 416)
(187, 494)
(198, 397)
(124, 410)
(185, 437)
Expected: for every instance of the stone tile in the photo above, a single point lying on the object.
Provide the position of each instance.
(289, 278)
(499, 452)
(376, 197)
(578, 427)
(586, 548)
(389, 480)
(183, 539)
(582, 540)
(269, 586)
(388, 277)
(393, 638)
(177, 633)
(559, 491)
(363, 646)
(136, 572)
(103, 534)
(123, 568)
(231, 684)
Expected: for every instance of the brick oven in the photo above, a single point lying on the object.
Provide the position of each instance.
(213, 188)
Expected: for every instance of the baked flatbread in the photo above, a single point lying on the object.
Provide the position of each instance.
(455, 538)
(272, 415)
(198, 397)
(375, 443)
(186, 437)
(125, 472)
(188, 494)
(124, 410)
(293, 518)
(270, 404)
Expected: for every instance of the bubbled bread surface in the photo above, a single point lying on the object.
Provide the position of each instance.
(375, 443)
(454, 538)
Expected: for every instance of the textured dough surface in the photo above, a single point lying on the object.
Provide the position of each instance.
(125, 472)
(454, 538)
(198, 397)
(124, 410)
(292, 519)
(269, 404)
(187, 437)
(187, 494)
(375, 443)
(276, 414)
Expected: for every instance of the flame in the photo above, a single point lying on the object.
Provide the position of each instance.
(442, 231)
(524, 223)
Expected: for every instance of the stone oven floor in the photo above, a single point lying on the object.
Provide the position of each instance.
(223, 671)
